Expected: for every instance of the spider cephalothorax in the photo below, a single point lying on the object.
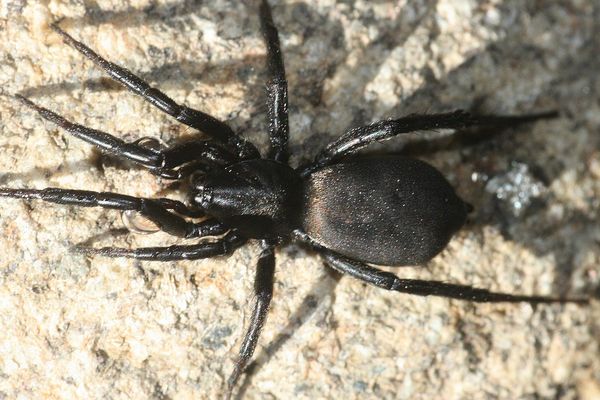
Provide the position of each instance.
(261, 198)
(385, 210)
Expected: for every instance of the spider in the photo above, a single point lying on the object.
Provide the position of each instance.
(354, 211)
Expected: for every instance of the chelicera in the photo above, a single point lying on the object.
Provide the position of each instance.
(352, 210)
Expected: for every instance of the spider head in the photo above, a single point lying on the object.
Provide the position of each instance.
(260, 198)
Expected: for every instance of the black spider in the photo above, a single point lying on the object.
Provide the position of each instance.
(385, 210)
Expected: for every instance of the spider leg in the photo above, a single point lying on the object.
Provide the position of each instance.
(104, 141)
(263, 291)
(154, 210)
(357, 138)
(188, 170)
(277, 92)
(159, 161)
(389, 281)
(180, 208)
(226, 245)
(196, 151)
(196, 119)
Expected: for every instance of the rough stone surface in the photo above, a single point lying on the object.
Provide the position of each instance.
(96, 328)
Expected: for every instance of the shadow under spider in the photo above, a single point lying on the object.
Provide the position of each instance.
(35, 173)
(132, 16)
(167, 76)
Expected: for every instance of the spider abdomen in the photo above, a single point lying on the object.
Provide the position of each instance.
(384, 210)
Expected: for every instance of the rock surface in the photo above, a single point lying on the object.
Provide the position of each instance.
(97, 328)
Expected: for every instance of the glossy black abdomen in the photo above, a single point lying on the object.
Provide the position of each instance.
(384, 210)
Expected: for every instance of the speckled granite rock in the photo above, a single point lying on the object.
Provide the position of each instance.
(95, 328)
